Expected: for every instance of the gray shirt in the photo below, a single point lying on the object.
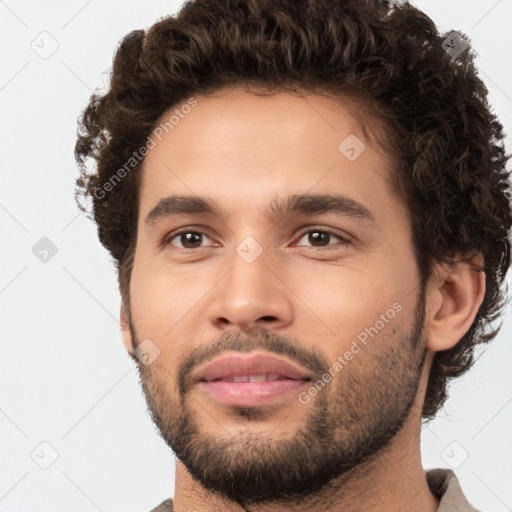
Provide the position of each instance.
(442, 482)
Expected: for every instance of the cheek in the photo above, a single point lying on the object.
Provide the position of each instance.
(165, 302)
(371, 301)
(348, 292)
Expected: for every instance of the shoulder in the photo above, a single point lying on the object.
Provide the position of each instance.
(446, 487)
(442, 482)
(165, 506)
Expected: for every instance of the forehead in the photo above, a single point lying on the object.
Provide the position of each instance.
(247, 147)
(241, 119)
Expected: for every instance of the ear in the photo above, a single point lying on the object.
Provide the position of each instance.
(125, 329)
(454, 296)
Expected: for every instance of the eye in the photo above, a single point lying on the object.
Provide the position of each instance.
(187, 238)
(321, 237)
(193, 239)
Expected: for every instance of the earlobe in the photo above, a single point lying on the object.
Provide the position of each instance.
(454, 297)
(125, 329)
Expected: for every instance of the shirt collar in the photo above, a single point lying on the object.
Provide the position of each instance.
(445, 486)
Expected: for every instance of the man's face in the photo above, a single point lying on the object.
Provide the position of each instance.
(343, 308)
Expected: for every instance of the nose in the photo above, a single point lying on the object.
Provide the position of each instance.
(250, 297)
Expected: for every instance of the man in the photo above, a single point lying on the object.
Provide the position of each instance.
(309, 209)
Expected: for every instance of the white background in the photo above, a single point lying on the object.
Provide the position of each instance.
(65, 377)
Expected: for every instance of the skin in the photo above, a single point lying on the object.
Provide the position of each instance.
(243, 151)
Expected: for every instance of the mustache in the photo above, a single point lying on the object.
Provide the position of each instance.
(265, 340)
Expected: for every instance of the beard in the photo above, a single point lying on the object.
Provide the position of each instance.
(346, 424)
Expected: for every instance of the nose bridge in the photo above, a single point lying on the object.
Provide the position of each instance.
(250, 294)
(249, 280)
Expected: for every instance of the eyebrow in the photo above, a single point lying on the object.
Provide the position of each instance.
(305, 204)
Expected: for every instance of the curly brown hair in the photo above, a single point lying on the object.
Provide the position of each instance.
(440, 130)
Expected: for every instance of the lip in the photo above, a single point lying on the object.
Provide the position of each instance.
(290, 378)
(250, 364)
(252, 394)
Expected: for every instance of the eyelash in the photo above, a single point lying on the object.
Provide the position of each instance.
(171, 236)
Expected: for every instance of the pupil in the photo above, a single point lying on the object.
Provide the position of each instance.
(316, 236)
(191, 238)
